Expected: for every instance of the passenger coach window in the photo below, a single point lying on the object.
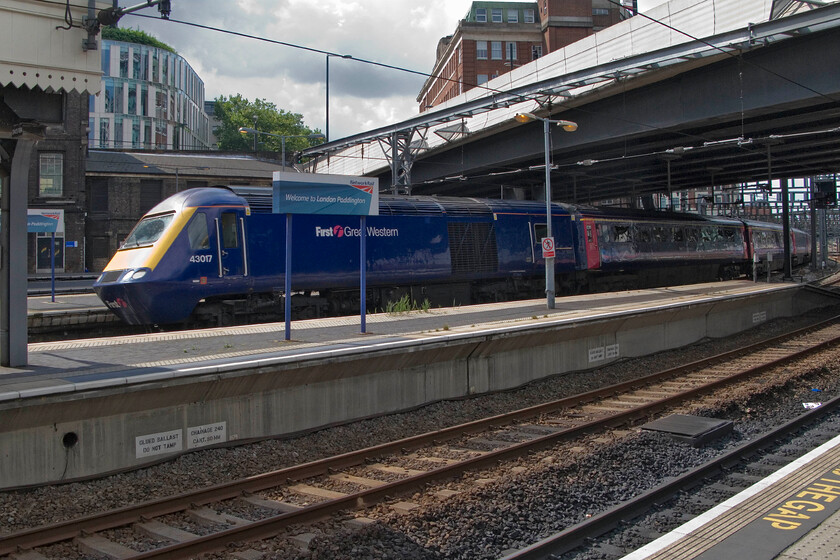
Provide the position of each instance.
(540, 231)
(229, 237)
(197, 231)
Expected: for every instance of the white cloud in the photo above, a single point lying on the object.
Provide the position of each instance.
(393, 32)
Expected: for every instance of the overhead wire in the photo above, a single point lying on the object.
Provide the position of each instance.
(461, 82)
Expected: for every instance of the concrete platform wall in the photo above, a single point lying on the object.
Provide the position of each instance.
(110, 425)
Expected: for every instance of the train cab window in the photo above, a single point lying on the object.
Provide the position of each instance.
(147, 231)
(198, 233)
(229, 238)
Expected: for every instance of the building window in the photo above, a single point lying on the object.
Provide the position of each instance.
(135, 68)
(496, 50)
(118, 132)
(481, 50)
(123, 62)
(151, 192)
(104, 132)
(51, 175)
(144, 66)
(106, 60)
(510, 51)
(513, 16)
(481, 79)
(118, 98)
(132, 99)
(481, 15)
(144, 100)
(529, 16)
(99, 247)
(496, 15)
(536, 51)
(136, 142)
(98, 197)
(109, 95)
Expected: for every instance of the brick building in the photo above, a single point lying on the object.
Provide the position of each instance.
(56, 187)
(122, 186)
(495, 37)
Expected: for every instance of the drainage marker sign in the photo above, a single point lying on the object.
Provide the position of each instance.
(201, 436)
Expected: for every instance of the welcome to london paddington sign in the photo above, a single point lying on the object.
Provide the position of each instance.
(312, 193)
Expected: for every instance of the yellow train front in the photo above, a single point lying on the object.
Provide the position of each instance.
(188, 247)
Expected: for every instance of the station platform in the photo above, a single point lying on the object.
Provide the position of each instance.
(85, 407)
(793, 514)
(58, 367)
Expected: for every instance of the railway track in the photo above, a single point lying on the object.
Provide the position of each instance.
(263, 506)
(569, 539)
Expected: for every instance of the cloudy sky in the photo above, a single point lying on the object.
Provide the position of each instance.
(399, 33)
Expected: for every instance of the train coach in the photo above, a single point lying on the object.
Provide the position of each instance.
(208, 255)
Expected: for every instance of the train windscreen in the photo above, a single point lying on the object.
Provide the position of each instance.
(147, 231)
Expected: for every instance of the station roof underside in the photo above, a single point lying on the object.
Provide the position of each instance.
(743, 106)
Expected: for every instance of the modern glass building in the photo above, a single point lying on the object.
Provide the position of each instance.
(151, 99)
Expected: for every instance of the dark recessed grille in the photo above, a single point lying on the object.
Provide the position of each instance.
(110, 276)
(408, 206)
(464, 207)
(258, 198)
(473, 247)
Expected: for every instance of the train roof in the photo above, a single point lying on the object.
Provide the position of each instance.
(260, 200)
(664, 215)
(200, 196)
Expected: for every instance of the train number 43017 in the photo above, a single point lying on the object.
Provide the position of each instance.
(201, 258)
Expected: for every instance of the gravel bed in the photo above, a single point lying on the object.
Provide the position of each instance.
(554, 490)
(475, 532)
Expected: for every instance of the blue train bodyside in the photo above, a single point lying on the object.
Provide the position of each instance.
(212, 247)
(451, 250)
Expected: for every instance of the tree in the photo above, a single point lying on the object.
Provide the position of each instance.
(236, 111)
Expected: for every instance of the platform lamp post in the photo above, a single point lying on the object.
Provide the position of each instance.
(282, 137)
(568, 126)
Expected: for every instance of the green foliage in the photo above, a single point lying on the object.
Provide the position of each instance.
(236, 111)
(406, 304)
(134, 36)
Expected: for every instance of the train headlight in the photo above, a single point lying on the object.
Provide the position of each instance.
(139, 273)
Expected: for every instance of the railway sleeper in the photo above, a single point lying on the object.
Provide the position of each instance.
(158, 530)
(100, 547)
(273, 505)
(208, 517)
(28, 555)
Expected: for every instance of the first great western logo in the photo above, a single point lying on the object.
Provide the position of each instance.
(349, 231)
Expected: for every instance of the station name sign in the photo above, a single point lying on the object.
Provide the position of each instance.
(312, 193)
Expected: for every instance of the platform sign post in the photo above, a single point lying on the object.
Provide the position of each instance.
(337, 195)
(46, 221)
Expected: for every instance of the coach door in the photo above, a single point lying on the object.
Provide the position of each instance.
(590, 236)
(233, 256)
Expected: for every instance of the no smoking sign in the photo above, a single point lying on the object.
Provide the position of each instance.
(548, 247)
